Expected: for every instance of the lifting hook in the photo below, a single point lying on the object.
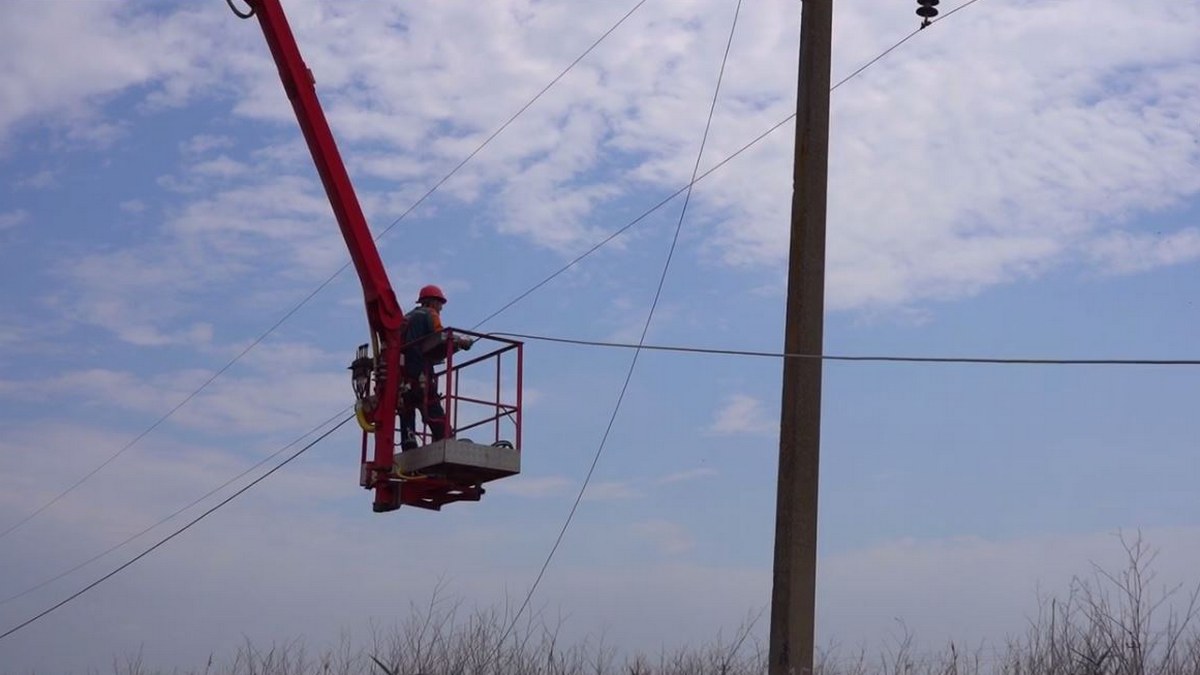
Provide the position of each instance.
(240, 14)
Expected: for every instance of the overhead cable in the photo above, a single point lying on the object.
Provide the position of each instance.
(174, 534)
(982, 360)
(165, 519)
(906, 38)
(157, 423)
(322, 285)
(637, 352)
(669, 198)
(641, 343)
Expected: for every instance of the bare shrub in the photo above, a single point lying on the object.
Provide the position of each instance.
(1112, 624)
(1108, 623)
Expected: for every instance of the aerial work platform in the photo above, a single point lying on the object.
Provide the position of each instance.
(452, 470)
(486, 405)
(487, 402)
(460, 461)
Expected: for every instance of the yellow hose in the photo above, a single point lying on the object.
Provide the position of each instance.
(360, 414)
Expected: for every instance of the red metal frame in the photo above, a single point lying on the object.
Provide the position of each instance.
(494, 410)
(384, 314)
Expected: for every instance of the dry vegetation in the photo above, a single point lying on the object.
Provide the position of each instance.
(1109, 623)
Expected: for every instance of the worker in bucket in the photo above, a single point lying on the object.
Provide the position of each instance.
(425, 347)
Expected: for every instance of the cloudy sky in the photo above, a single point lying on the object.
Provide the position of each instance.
(1022, 179)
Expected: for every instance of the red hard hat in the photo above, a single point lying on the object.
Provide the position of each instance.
(431, 292)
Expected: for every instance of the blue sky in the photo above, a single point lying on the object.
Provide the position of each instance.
(1021, 180)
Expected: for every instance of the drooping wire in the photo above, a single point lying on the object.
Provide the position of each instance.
(669, 198)
(878, 57)
(508, 122)
(194, 502)
(641, 343)
(176, 533)
(324, 283)
(963, 6)
(624, 228)
(981, 360)
(641, 340)
(163, 418)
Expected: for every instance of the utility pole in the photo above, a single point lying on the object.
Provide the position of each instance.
(793, 593)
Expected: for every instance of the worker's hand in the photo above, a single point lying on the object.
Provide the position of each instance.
(463, 343)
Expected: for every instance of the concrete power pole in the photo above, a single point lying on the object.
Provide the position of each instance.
(793, 594)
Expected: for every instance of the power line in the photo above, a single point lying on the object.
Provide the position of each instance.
(666, 200)
(947, 15)
(194, 502)
(982, 360)
(323, 284)
(906, 38)
(637, 352)
(508, 122)
(697, 179)
(176, 533)
(879, 56)
(641, 343)
(71, 488)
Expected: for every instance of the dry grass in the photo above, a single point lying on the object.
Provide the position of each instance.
(1107, 624)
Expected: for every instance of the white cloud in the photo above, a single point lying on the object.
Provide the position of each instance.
(990, 160)
(1040, 147)
(203, 143)
(112, 48)
(282, 399)
(688, 475)
(742, 415)
(552, 486)
(135, 293)
(37, 181)
(13, 218)
(993, 147)
(667, 537)
(955, 165)
(984, 589)
(964, 589)
(221, 167)
(610, 490)
(280, 356)
(1081, 146)
(11, 335)
(539, 486)
(133, 206)
(222, 241)
(1126, 253)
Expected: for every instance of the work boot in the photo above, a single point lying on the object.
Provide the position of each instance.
(409, 443)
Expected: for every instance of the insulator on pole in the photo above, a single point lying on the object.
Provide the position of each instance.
(927, 10)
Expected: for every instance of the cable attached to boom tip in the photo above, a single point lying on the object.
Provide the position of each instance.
(240, 14)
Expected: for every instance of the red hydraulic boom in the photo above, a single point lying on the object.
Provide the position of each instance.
(438, 473)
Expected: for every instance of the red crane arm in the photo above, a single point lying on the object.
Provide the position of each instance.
(384, 315)
(298, 83)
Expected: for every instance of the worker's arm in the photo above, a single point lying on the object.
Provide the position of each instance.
(433, 341)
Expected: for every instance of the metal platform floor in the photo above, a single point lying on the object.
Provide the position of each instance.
(459, 461)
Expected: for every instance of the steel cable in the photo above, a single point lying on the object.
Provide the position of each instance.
(174, 534)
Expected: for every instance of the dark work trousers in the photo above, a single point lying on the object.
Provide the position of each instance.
(422, 395)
